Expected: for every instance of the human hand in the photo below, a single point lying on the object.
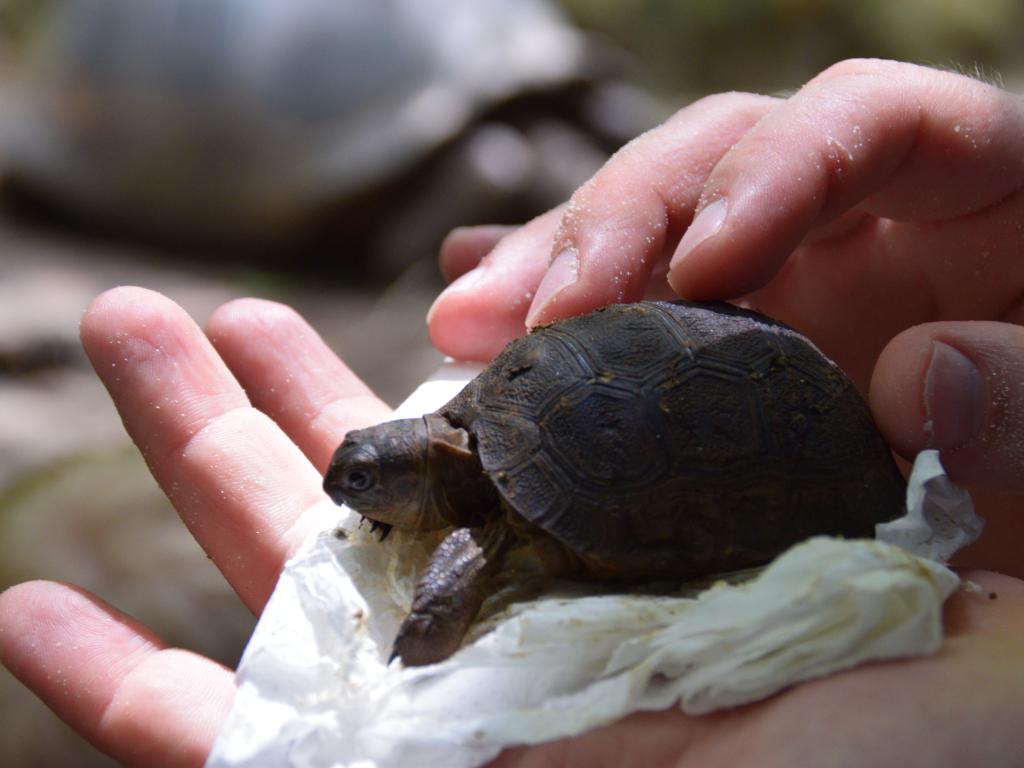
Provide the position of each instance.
(240, 482)
(877, 210)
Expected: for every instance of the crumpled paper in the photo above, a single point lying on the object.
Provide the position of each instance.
(315, 689)
(936, 525)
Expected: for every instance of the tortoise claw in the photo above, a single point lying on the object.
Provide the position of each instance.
(416, 646)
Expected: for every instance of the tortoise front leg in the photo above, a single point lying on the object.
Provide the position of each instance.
(450, 593)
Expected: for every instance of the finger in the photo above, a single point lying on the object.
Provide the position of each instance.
(291, 375)
(464, 247)
(484, 309)
(957, 387)
(618, 225)
(110, 679)
(907, 142)
(238, 482)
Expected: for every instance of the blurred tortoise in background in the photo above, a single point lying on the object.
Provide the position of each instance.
(641, 442)
(369, 126)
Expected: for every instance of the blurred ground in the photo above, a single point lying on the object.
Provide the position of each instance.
(704, 46)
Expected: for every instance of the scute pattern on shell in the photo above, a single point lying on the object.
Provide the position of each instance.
(674, 439)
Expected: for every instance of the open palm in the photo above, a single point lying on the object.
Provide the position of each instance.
(202, 409)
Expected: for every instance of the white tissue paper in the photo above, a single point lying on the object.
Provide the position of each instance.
(315, 689)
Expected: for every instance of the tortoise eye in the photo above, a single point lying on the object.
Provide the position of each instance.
(359, 480)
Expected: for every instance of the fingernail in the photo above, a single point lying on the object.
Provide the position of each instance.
(464, 282)
(708, 222)
(954, 398)
(560, 275)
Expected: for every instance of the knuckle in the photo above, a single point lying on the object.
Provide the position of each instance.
(727, 102)
(858, 68)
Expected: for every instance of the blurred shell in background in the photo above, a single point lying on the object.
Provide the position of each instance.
(259, 124)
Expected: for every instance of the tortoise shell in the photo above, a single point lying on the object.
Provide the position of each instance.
(663, 439)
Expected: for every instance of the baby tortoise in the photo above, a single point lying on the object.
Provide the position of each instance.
(641, 442)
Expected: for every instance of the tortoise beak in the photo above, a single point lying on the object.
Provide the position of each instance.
(331, 489)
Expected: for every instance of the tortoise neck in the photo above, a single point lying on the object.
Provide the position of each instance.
(457, 489)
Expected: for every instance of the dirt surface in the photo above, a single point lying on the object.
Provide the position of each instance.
(76, 502)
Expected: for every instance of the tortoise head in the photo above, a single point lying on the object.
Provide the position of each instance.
(382, 473)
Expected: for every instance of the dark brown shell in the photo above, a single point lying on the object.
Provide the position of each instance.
(678, 439)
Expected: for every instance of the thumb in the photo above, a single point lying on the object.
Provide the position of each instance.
(957, 387)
